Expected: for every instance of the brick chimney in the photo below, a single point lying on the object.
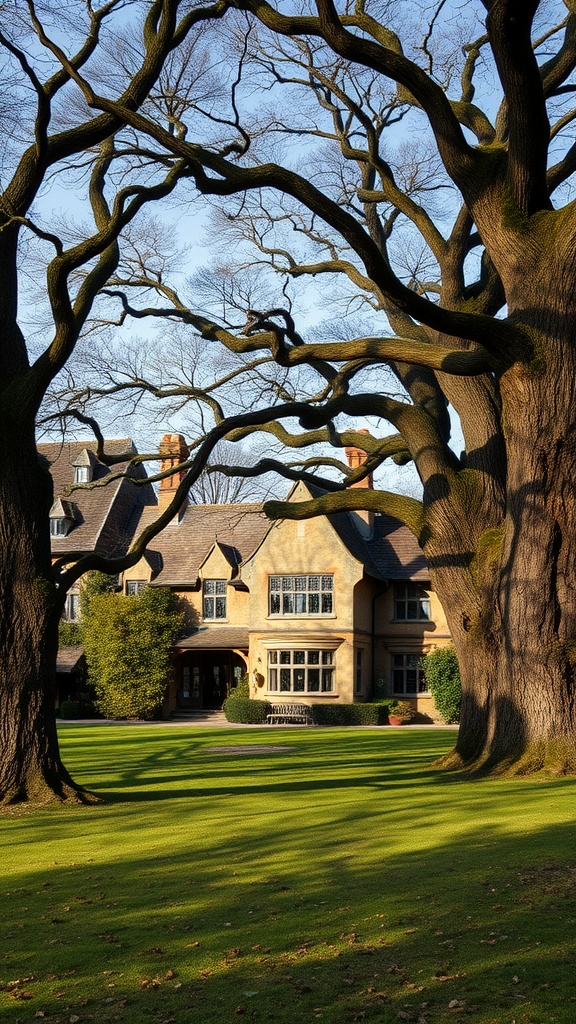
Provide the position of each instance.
(174, 450)
(363, 518)
(357, 457)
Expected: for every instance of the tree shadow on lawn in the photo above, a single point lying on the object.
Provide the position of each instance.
(272, 925)
(166, 770)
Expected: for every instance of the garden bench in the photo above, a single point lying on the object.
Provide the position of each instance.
(296, 714)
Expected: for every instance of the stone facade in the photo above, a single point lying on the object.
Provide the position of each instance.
(335, 609)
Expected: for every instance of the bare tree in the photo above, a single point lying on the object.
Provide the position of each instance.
(367, 169)
(56, 142)
(456, 235)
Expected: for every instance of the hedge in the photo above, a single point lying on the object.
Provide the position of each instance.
(350, 714)
(70, 709)
(244, 711)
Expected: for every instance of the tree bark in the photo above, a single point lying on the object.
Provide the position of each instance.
(30, 764)
(510, 598)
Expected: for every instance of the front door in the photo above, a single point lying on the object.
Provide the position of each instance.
(190, 695)
(206, 678)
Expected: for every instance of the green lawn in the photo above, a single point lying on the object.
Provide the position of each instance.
(336, 879)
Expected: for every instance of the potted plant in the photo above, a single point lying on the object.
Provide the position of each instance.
(400, 712)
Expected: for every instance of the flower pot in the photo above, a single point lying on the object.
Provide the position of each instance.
(395, 720)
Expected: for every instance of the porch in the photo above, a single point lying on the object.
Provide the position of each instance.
(208, 663)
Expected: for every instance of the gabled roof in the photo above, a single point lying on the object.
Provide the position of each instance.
(101, 514)
(185, 544)
(107, 518)
(229, 553)
(85, 458)
(62, 509)
(390, 553)
(350, 536)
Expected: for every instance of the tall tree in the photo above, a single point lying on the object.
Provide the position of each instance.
(463, 248)
(454, 224)
(51, 140)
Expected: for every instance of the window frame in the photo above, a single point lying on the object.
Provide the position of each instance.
(82, 475)
(59, 526)
(71, 610)
(412, 593)
(211, 598)
(297, 666)
(300, 594)
(135, 587)
(405, 668)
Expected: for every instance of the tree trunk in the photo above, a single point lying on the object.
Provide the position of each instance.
(30, 765)
(512, 612)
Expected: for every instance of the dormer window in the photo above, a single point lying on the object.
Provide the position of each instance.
(214, 602)
(62, 518)
(84, 467)
(59, 527)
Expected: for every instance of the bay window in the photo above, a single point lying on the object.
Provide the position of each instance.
(300, 671)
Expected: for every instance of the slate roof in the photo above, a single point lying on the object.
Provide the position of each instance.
(395, 552)
(391, 553)
(182, 547)
(107, 518)
(68, 658)
(100, 515)
(215, 638)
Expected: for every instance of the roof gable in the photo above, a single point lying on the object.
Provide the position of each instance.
(220, 558)
(390, 553)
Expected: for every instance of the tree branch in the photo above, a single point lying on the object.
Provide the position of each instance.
(407, 510)
(509, 24)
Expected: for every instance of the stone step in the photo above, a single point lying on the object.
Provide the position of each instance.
(208, 715)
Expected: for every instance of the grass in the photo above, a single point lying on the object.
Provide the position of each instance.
(337, 879)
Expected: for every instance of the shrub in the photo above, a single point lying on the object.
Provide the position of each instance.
(242, 688)
(442, 675)
(128, 641)
(350, 714)
(402, 709)
(69, 709)
(94, 584)
(69, 634)
(244, 711)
